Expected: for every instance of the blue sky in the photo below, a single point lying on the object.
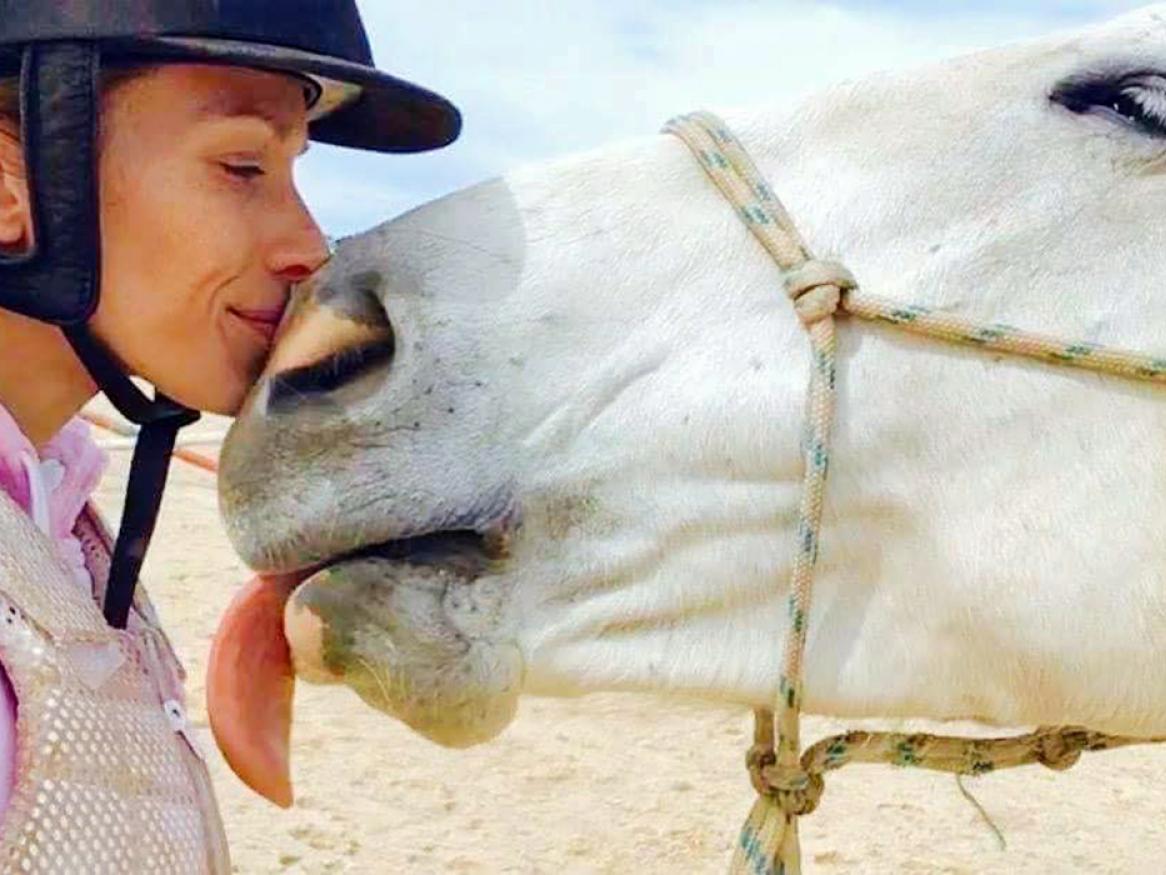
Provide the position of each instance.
(535, 79)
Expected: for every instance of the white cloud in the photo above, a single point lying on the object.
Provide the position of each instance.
(535, 79)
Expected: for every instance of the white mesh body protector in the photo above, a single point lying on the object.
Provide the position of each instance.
(108, 779)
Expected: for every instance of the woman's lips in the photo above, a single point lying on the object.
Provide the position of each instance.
(265, 322)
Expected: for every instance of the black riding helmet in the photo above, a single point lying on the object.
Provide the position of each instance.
(58, 48)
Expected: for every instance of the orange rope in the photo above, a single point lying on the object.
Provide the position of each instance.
(111, 425)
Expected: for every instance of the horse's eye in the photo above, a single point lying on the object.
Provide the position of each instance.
(1137, 100)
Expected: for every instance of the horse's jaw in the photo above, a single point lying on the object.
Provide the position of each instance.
(680, 603)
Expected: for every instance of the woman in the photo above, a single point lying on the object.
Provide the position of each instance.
(149, 226)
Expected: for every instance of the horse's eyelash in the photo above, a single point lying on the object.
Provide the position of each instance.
(1150, 97)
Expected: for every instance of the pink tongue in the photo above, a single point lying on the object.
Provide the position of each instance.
(249, 688)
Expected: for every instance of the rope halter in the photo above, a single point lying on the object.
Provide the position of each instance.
(788, 781)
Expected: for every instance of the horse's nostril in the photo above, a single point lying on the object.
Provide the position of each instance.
(336, 333)
(328, 374)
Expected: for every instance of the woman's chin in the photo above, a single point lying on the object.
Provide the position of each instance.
(217, 390)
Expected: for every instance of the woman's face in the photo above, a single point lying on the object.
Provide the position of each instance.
(203, 231)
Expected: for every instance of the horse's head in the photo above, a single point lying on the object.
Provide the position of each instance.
(542, 435)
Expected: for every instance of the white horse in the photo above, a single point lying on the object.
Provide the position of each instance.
(542, 436)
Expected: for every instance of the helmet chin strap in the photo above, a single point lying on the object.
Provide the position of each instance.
(160, 419)
(58, 279)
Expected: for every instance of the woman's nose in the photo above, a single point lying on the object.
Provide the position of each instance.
(302, 249)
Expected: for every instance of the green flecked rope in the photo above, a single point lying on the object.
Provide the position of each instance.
(788, 780)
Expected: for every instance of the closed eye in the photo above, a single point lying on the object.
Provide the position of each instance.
(1136, 99)
(328, 374)
(244, 171)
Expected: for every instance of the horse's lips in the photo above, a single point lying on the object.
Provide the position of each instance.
(250, 683)
(253, 662)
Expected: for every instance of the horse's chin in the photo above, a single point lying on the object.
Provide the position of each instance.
(418, 638)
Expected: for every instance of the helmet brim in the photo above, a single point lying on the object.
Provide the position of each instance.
(386, 115)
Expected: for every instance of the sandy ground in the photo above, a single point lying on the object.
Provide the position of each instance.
(608, 783)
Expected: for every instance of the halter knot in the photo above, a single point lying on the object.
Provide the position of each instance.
(816, 287)
(796, 791)
(1060, 750)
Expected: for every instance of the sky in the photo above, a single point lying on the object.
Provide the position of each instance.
(535, 79)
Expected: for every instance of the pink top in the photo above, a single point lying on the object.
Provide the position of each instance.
(52, 486)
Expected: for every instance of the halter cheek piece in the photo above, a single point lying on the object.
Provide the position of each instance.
(58, 279)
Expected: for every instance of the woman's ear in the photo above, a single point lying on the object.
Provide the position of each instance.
(15, 213)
